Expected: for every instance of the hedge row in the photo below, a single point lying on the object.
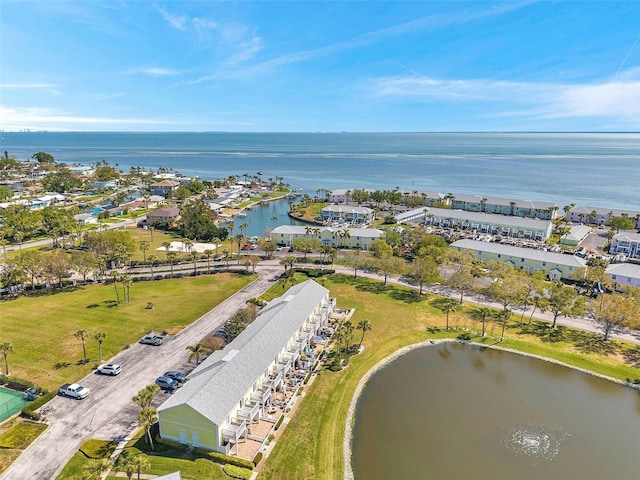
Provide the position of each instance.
(30, 410)
(16, 383)
(279, 422)
(237, 472)
(224, 459)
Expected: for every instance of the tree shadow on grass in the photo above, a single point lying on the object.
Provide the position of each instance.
(110, 303)
(60, 365)
(377, 287)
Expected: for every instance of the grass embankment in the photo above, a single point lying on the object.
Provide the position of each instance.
(41, 329)
(15, 436)
(311, 446)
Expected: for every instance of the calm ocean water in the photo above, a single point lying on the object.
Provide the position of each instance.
(600, 170)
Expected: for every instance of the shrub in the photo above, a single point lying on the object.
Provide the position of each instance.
(465, 336)
(172, 445)
(279, 422)
(223, 459)
(237, 472)
(257, 458)
(307, 378)
(30, 410)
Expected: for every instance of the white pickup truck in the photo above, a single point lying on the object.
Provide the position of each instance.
(74, 390)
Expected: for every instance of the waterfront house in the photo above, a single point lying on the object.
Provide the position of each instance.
(162, 215)
(347, 214)
(626, 243)
(85, 218)
(164, 187)
(555, 266)
(624, 274)
(337, 237)
(486, 223)
(600, 216)
(228, 395)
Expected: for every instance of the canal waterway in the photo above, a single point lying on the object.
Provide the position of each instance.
(263, 217)
(455, 411)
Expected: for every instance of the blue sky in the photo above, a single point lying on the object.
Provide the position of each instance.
(319, 66)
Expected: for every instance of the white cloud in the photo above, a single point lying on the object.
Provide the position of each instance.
(35, 118)
(155, 71)
(175, 21)
(614, 99)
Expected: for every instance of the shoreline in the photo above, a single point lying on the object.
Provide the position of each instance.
(362, 383)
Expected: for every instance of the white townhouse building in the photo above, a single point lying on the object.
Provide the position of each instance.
(624, 274)
(555, 266)
(230, 392)
(505, 206)
(600, 216)
(337, 237)
(626, 243)
(488, 223)
(347, 214)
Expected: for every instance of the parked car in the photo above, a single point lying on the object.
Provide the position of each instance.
(152, 339)
(246, 247)
(177, 376)
(220, 332)
(109, 369)
(253, 246)
(74, 390)
(167, 383)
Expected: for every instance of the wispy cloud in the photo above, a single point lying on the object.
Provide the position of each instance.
(175, 21)
(155, 71)
(615, 99)
(51, 88)
(49, 119)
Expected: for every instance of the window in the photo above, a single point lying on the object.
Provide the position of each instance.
(522, 259)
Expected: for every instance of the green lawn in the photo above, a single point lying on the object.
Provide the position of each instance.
(311, 446)
(15, 436)
(41, 328)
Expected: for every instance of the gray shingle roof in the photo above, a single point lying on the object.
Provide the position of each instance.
(479, 217)
(221, 380)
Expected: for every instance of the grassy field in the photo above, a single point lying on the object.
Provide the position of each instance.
(15, 436)
(41, 328)
(311, 446)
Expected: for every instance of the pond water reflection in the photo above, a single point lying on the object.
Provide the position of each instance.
(455, 411)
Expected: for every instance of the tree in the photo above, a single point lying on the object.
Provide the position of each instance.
(423, 270)
(208, 253)
(354, 260)
(125, 464)
(144, 397)
(462, 281)
(239, 239)
(379, 248)
(613, 313)
(84, 263)
(100, 336)
(447, 306)
(6, 348)
(365, 326)
(144, 246)
(56, 265)
(620, 223)
(31, 262)
(139, 463)
(389, 266)
(172, 257)
(195, 256)
(43, 157)
(563, 300)
(82, 335)
(116, 276)
(197, 350)
(147, 418)
(503, 317)
(198, 221)
(94, 468)
(481, 314)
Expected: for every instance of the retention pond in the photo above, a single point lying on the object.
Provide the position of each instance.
(455, 411)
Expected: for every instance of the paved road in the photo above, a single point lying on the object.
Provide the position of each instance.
(108, 412)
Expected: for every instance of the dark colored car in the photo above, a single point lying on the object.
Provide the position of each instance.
(166, 383)
(177, 376)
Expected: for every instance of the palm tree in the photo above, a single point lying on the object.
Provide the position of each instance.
(94, 469)
(481, 315)
(447, 305)
(6, 348)
(125, 464)
(166, 246)
(503, 316)
(216, 240)
(115, 277)
(147, 418)
(243, 227)
(100, 336)
(172, 256)
(197, 351)
(139, 463)
(239, 239)
(208, 253)
(82, 335)
(230, 227)
(152, 262)
(126, 287)
(365, 326)
(194, 256)
(144, 246)
(144, 397)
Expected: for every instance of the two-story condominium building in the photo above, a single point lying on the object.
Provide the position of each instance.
(600, 216)
(505, 206)
(626, 243)
(488, 223)
(554, 265)
(232, 389)
(337, 237)
(624, 274)
(347, 214)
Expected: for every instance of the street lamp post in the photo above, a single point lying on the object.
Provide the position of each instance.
(50, 382)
